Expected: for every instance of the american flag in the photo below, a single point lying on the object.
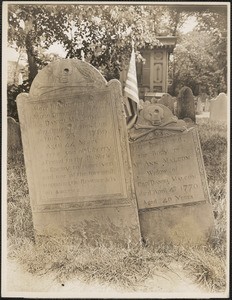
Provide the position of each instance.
(131, 92)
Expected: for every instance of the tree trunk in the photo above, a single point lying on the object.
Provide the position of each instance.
(32, 68)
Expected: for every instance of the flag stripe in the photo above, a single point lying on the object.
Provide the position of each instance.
(131, 83)
(131, 80)
(132, 88)
(131, 92)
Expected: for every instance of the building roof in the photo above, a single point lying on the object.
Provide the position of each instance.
(167, 42)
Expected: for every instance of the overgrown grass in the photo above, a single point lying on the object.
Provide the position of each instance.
(213, 138)
(128, 266)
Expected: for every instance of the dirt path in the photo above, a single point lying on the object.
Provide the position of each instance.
(173, 281)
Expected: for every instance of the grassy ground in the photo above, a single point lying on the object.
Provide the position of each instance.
(72, 257)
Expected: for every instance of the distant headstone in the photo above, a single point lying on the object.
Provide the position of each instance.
(168, 101)
(154, 100)
(203, 97)
(170, 181)
(185, 104)
(199, 109)
(189, 122)
(207, 105)
(14, 142)
(77, 153)
(218, 108)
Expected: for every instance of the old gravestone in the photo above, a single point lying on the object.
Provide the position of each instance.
(13, 137)
(199, 109)
(185, 104)
(77, 153)
(170, 181)
(168, 101)
(218, 108)
(207, 105)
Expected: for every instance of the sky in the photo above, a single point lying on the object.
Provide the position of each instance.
(189, 24)
(13, 55)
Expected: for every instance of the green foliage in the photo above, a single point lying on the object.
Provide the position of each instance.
(102, 32)
(13, 91)
(103, 35)
(200, 56)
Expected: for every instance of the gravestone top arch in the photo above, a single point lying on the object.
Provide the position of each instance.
(64, 76)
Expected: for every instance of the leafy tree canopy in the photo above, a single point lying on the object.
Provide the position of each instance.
(103, 35)
(200, 56)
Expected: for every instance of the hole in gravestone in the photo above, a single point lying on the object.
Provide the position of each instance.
(66, 70)
(62, 284)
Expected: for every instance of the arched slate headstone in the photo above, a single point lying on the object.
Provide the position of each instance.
(76, 152)
(185, 104)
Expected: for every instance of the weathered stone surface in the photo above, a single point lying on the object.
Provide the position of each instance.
(185, 104)
(207, 105)
(199, 109)
(178, 224)
(14, 142)
(218, 108)
(154, 100)
(76, 151)
(168, 101)
(170, 180)
(155, 120)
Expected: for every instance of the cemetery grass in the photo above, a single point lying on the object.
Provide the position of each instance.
(125, 265)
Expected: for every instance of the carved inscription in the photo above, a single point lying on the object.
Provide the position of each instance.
(166, 171)
(75, 155)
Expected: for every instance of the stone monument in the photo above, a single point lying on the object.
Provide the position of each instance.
(218, 108)
(185, 104)
(170, 181)
(207, 105)
(77, 153)
(168, 101)
(199, 109)
(14, 142)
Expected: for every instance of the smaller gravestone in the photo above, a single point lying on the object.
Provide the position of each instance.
(185, 104)
(168, 101)
(154, 100)
(14, 142)
(170, 180)
(218, 108)
(199, 109)
(207, 105)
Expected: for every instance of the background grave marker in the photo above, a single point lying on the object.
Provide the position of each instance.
(218, 108)
(185, 104)
(14, 142)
